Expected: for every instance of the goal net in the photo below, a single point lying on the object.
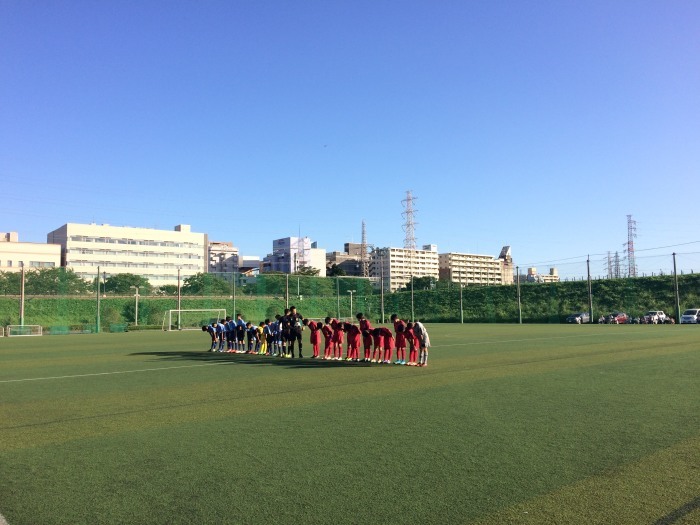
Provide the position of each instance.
(13, 330)
(191, 319)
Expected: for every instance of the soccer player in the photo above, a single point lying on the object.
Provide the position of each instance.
(221, 333)
(327, 332)
(366, 330)
(413, 344)
(251, 332)
(388, 344)
(314, 337)
(424, 341)
(354, 336)
(378, 340)
(338, 338)
(261, 345)
(212, 332)
(269, 335)
(285, 327)
(399, 329)
(295, 329)
(239, 345)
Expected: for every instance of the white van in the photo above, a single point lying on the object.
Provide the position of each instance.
(690, 316)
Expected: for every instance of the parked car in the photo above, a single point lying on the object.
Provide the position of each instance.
(579, 318)
(691, 316)
(655, 317)
(617, 318)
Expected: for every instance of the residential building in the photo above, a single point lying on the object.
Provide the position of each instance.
(223, 257)
(534, 277)
(157, 255)
(293, 253)
(348, 260)
(395, 266)
(14, 255)
(471, 269)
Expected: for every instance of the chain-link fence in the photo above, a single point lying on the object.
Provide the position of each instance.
(61, 302)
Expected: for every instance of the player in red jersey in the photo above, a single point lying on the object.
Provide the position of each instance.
(354, 336)
(338, 338)
(412, 345)
(327, 332)
(366, 330)
(388, 343)
(314, 337)
(400, 329)
(378, 340)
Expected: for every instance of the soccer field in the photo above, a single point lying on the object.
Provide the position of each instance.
(531, 424)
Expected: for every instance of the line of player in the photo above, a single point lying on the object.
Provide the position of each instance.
(277, 338)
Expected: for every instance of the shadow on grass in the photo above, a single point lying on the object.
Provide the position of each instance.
(252, 359)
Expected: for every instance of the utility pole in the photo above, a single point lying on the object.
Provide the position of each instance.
(675, 285)
(97, 282)
(520, 308)
(590, 290)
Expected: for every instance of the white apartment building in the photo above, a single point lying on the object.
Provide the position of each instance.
(396, 266)
(291, 253)
(470, 269)
(15, 255)
(156, 255)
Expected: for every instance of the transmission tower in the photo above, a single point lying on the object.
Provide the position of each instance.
(364, 256)
(616, 266)
(409, 226)
(609, 266)
(629, 247)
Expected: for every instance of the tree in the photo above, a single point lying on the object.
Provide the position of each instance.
(335, 271)
(10, 283)
(121, 283)
(307, 270)
(167, 289)
(54, 281)
(206, 284)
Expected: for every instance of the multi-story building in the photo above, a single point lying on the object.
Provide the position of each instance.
(534, 277)
(15, 255)
(157, 255)
(470, 269)
(223, 257)
(396, 266)
(349, 260)
(290, 254)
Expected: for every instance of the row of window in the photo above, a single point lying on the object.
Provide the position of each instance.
(129, 253)
(32, 264)
(139, 242)
(112, 264)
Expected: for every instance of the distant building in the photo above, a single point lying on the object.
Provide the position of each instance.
(534, 277)
(293, 253)
(471, 269)
(15, 255)
(396, 266)
(223, 257)
(156, 255)
(348, 260)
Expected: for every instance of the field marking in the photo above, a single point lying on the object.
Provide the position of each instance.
(112, 373)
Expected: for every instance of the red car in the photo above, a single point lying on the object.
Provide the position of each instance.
(617, 318)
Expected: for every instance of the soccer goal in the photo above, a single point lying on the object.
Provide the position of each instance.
(13, 330)
(191, 319)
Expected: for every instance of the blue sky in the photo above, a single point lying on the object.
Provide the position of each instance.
(538, 124)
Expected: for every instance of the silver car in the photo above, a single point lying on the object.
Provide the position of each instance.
(690, 316)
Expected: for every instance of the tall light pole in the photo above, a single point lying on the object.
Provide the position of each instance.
(351, 292)
(136, 309)
(520, 308)
(179, 298)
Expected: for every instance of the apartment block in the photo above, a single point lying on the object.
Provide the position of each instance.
(289, 254)
(223, 257)
(395, 266)
(471, 269)
(15, 255)
(156, 255)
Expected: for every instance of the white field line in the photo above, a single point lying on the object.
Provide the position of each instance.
(472, 343)
(2, 520)
(110, 373)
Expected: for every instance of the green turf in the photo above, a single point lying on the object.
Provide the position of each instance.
(508, 424)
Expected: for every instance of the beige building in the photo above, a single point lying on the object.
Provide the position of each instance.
(156, 255)
(15, 254)
(471, 269)
(534, 277)
(397, 265)
(223, 257)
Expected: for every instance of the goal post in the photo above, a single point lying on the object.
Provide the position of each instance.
(191, 319)
(14, 330)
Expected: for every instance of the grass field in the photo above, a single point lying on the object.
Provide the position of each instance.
(531, 424)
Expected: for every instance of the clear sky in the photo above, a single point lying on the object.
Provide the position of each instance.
(537, 124)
